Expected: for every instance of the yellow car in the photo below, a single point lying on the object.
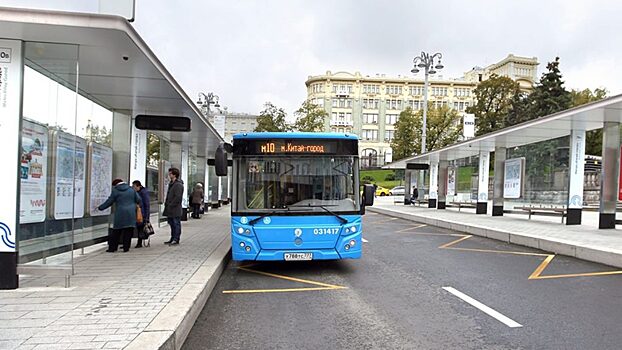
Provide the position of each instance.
(381, 191)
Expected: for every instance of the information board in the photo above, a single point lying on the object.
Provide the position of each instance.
(513, 178)
(99, 177)
(70, 173)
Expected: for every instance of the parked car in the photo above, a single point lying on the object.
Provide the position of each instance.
(397, 191)
(381, 191)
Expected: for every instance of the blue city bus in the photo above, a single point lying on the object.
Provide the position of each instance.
(295, 196)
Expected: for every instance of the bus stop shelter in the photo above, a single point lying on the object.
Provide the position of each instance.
(71, 87)
(537, 163)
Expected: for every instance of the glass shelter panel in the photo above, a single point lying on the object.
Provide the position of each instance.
(544, 179)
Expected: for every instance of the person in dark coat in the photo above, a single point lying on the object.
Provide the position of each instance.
(143, 193)
(124, 199)
(196, 199)
(172, 205)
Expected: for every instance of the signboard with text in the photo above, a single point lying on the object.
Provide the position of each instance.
(513, 178)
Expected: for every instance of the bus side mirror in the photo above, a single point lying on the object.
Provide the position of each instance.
(368, 195)
(220, 161)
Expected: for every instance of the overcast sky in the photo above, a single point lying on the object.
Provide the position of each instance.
(250, 52)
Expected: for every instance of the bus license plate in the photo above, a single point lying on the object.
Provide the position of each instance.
(298, 256)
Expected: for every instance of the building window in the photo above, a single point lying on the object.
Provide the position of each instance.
(371, 89)
(315, 88)
(439, 91)
(394, 104)
(415, 104)
(394, 89)
(370, 103)
(369, 134)
(391, 119)
(388, 135)
(416, 90)
(370, 118)
(462, 92)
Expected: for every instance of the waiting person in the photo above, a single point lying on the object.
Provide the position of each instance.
(143, 193)
(415, 195)
(196, 199)
(125, 201)
(172, 205)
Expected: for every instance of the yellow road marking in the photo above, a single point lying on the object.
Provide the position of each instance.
(321, 286)
(535, 275)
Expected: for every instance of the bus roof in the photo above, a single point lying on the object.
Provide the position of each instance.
(294, 135)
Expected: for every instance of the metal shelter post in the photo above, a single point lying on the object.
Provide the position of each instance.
(442, 184)
(610, 173)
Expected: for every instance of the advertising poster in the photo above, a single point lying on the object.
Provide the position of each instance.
(11, 65)
(70, 171)
(100, 177)
(451, 181)
(33, 172)
(513, 178)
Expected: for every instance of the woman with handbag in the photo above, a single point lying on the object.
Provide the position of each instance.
(143, 193)
(125, 202)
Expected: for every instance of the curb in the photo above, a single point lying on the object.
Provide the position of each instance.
(170, 328)
(549, 245)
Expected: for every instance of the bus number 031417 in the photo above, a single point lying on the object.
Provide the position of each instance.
(325, 231)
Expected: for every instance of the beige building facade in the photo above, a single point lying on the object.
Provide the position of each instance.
(369, 106)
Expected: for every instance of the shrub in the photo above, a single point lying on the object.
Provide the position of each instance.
(368, 179)
(390, 177)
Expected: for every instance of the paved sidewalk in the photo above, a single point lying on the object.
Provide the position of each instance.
(147, 296)
(584, 241)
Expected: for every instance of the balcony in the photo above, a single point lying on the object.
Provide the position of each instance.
(341, 123)
(342, 93)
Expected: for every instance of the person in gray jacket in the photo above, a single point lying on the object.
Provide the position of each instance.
(172, 205)
(125, 200)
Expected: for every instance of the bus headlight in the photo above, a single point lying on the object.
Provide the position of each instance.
(352, 243)
(248, 248)
(353, 229)
(242, 244)
(240, 230)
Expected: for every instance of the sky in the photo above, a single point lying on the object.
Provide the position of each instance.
(251, 52)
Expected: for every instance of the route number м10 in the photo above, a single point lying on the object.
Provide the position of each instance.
(325, 231)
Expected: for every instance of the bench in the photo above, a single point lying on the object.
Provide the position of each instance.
(421, 201)
(545, 211)
(463, 205)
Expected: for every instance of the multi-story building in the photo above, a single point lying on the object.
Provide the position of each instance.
(234, 123)
(370, 106)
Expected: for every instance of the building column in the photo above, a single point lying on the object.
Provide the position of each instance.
(443, 166)
(11, 88)
(482, 184)
(497, 191)
(433, 196)
(609, 175)
(575, 177)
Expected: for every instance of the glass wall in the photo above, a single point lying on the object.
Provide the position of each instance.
(466, 177)
(545, 174)
(66, 159)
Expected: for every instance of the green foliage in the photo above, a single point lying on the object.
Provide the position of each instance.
(368, 179)
(153, 149)
(378, 177)
(272, 119)
(98, 134)
(594, 138)
(406, 131)
(444, 128)
(495, 97)
(389, 177)
(543, 158)
(549, 96)
(310, 117)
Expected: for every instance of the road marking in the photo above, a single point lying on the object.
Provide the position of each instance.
(489, 311)
(320, 285)
(364, 240)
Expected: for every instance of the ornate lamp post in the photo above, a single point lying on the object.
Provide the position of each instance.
(205, 101)
(427, 62)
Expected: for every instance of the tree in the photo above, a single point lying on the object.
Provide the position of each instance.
(406, 130)
(98, 134)
(594, 138)
(310, 117)
(549, 96)
(153, 149)
(494, 98)
(444, 128)
(272, 119)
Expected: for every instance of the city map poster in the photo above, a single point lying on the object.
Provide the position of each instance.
(70, 171)
(513, 178)
(33, 172)
(100, 177)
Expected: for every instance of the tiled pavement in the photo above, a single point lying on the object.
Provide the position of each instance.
(584, 241)
(113, 296)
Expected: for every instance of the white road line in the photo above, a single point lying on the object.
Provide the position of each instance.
(501, 318)
(364, 240)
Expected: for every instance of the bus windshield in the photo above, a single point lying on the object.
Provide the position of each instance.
(302, 183)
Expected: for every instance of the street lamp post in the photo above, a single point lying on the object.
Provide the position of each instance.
(205, 101)
(426, 61)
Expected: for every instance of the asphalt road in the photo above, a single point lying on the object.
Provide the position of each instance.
(394, 298)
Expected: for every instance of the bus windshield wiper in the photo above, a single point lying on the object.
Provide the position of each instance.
(341, 218)
(257, 219)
